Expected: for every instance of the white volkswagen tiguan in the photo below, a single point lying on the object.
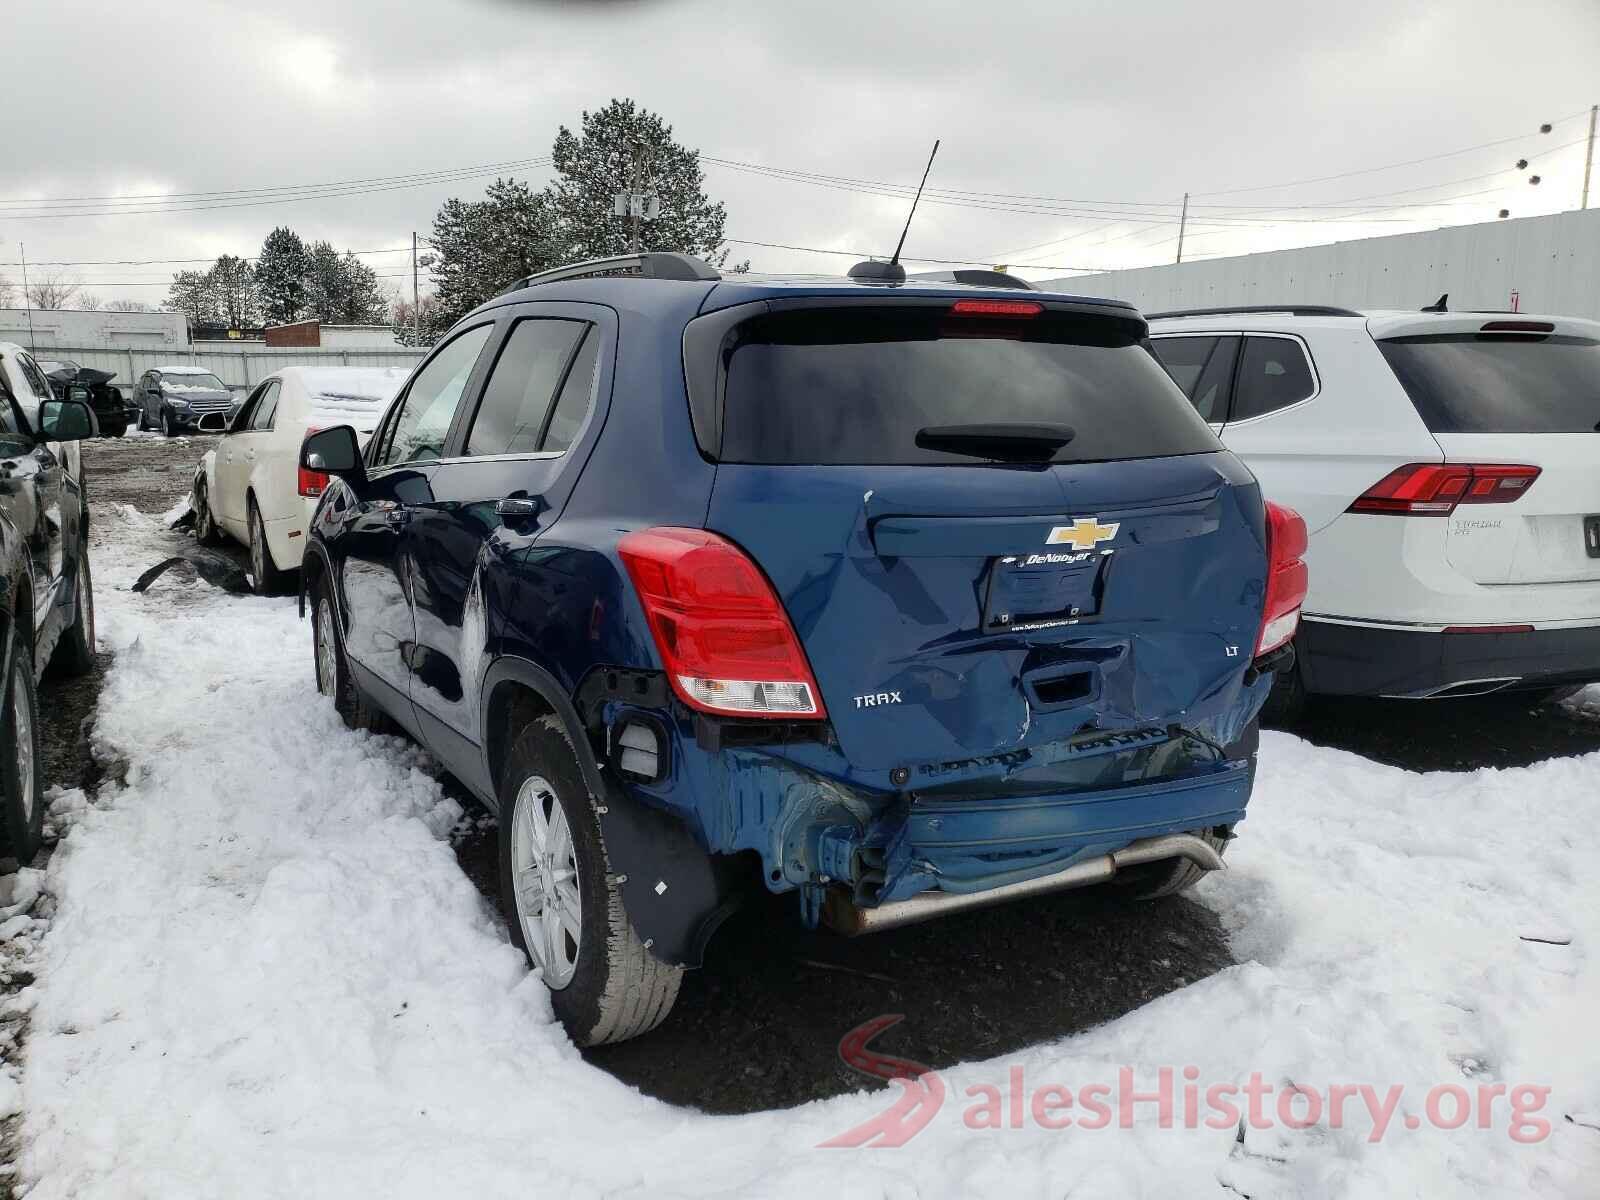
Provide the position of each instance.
(1447, 466)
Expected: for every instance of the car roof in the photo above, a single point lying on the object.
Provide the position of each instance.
(687, 298)
(183, 369)
(1380, 323)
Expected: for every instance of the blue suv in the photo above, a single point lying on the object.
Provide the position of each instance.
(906, 597)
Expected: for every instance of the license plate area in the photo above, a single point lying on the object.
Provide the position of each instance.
(1591, 536)
(1030, 591)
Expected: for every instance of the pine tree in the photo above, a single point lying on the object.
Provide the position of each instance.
(618, 146)
(282, 272)
(191, 294)
(482, 246)
(234, 294)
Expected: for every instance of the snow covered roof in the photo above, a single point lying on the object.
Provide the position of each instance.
(348, 395)
(184, 369)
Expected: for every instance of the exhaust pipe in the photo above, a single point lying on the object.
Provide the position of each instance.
(847, 917)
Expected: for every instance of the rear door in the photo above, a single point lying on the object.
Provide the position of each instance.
(1519, 391)
(954, 604)
(514, 457)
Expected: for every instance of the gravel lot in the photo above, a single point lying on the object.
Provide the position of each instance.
(773, 1000)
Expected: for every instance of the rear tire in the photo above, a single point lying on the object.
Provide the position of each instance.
(1160, 880)
(605, 984)
(264, 574)
(21, 785)
(334, 678)
(1288, 702)
(75, 652)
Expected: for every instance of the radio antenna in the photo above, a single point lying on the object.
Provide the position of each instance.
(895, 261)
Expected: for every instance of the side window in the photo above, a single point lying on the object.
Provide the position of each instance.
(577, 394)
(1273, 374)
(266, 406)
(516, 401)
(247, 411)
(10, 422)
(1202, 367)
(417, 431)
(35, 377)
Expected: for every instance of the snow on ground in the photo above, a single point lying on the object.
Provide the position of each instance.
(266, 976)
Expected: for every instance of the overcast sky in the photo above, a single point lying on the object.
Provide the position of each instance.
(1109, 111)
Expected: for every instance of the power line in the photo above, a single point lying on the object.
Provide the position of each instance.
(413, 181)
(1264, 187)
(156, 262)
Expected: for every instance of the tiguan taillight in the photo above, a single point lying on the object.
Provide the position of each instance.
(1434, 489)
(722, 632)
(1286, 578)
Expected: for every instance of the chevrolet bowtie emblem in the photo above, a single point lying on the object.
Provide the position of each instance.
(1085, 533)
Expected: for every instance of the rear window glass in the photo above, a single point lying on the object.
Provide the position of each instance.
(1492, 383)
(854, 386)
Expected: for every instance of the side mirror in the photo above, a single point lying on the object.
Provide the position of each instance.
(65, 421)
(334, 451)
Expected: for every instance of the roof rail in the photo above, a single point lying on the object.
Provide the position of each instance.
(1294, 310)
(976, 277)
(648, 265)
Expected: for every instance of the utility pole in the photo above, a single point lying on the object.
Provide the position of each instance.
(416, 306)
(633, 205)
(1588, 161)
(1183, 221)
(27, 301)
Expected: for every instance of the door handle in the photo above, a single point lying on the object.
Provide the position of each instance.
(518, 508)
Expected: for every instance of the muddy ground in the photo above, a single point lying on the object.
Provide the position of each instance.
(759, 1026)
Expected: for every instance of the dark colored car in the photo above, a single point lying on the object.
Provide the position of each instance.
(901, 599)
(179, 396)
(112, 412)
(46, 595)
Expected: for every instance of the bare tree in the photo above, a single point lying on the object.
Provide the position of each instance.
(8, 292)
(129, 306)
(87, 300)
(53, 290)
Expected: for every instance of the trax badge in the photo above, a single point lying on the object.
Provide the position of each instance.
(1085, 533)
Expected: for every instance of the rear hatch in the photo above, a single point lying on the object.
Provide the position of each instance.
(991, 530)
(1518, 390)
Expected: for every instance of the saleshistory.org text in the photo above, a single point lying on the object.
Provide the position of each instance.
(1176, 1097)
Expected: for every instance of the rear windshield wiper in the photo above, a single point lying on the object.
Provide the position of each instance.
(1005, 442)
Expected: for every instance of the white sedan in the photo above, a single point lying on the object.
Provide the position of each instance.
(251, 487)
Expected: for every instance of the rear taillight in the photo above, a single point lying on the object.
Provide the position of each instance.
(721, 630)
(1434, 489)
(1286, 578)
(312, 483)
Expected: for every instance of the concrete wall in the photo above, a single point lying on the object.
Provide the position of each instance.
(1552, 262)
(238, 364)
(53, 327)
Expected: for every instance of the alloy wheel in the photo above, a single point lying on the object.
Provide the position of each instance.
(22, 724)
(544, 865)
(327, 651)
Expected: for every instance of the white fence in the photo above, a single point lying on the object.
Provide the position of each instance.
(240, 365)
(1551, 265)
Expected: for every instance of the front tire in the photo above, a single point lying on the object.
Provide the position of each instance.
(264, 574)
(562, 903)
(21, 785)
(168, 429)
(75, 652)
(334, 678)
(205, 522)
